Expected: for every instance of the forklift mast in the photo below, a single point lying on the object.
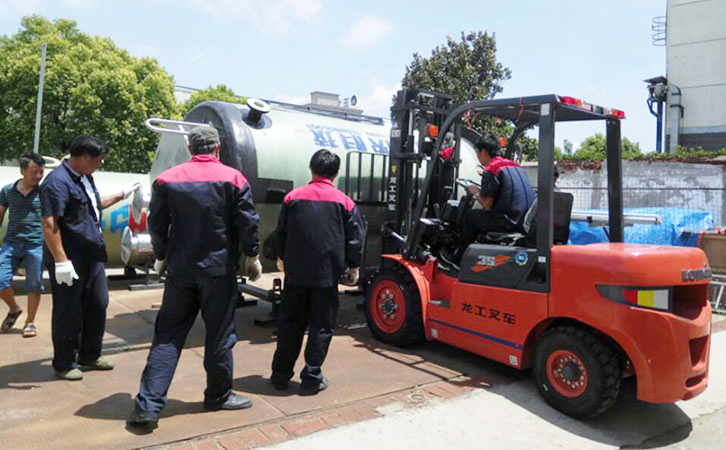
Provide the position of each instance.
(543, 111)
(416, 118)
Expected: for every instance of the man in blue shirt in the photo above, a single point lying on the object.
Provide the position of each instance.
(23, 242)
(76, 258)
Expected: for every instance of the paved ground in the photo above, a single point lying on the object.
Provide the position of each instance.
(431, 396)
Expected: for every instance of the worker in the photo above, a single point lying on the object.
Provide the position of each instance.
(320, 237)
(23, 242)
(505, 195)
(76, 257)
(200, 215)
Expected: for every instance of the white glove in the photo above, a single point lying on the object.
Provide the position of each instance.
(253, 268)
(159, 265)
(65, 273)
(128, 191)
(350, 277)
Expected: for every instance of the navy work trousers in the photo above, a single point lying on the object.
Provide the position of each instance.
(216, 297)
(79, 315)
(314, 309)
(478, 221)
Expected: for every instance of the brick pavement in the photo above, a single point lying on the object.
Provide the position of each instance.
(269, 433)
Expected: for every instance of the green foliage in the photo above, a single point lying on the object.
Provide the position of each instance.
(467, 70)
(219, 92)
(684, 153)
(91, 87)
(697, 152)
(593, 149)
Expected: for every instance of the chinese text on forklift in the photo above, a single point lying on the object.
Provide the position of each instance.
(582, 316)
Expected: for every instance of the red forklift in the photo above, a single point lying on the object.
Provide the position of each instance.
(582, 317)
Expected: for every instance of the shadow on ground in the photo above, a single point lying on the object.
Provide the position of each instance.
(628, 422)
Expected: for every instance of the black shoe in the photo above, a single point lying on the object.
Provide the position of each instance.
(234, 401)
(142, 420)
(312, 389)
(280, 385)
(449, 259)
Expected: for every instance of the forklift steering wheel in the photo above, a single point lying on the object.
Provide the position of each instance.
(465, 183)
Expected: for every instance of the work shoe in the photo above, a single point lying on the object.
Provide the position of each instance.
(234, 401)
(279, 384)
(71, 374)
(143, 421)
(99, 364)
(311, 388)
(449, 259)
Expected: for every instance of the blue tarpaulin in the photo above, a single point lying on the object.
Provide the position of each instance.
(677, 227)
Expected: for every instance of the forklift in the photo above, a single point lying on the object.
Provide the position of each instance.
(582, 317)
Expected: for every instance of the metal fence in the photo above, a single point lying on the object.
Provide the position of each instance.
(710, 200)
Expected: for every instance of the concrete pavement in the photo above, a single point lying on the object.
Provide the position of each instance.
(429, 396)
(514, 416)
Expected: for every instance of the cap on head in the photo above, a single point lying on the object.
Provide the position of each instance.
(203, 139)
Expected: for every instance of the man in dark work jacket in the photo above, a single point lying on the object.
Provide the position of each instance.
(505, 195)
(320, 237)
(201, 214)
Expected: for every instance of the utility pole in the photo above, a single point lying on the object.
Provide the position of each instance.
(39, 106)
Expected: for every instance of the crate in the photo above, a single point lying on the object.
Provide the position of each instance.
(714, 245)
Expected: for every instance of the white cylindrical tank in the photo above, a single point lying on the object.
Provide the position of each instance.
(273, 150)
(113, 219)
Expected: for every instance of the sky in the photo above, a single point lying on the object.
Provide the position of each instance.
(599, 51)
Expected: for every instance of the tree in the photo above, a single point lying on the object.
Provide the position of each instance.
(593, 148)
(567, 145)
(91, 87)
(467, 70)
(219, 92)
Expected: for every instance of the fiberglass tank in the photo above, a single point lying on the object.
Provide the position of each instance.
(272, 146)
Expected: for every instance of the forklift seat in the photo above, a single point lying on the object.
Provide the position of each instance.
(562, 210)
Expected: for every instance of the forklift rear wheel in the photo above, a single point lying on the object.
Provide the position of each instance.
(393, 308)
(576, 372)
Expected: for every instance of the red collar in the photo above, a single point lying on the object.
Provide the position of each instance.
(318, 179)
(204, 158)
(499, 163)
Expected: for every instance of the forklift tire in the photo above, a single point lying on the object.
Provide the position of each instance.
(393, 308)
(576, 373)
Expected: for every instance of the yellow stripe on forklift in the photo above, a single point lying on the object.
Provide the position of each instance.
(646, 298)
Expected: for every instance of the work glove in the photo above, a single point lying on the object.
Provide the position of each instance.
(159, 265)
(280, 265)
(253, 268)
(65, 273)
(350, 276)
(130, 190)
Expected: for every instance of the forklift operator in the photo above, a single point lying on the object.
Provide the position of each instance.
(505, 195)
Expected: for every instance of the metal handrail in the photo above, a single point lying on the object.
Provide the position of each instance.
(150, 124)
(602, 217)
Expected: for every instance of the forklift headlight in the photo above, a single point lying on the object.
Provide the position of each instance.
(659, 298)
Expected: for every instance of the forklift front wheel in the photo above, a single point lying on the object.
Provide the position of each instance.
(393, 308)
(576, 372)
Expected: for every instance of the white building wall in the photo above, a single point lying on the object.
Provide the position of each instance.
(696, 63)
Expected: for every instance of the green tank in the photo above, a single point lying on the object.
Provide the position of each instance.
(271, 144)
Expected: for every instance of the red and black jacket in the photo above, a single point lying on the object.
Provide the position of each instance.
(320, 232)
(201, 212)
(507, 183)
